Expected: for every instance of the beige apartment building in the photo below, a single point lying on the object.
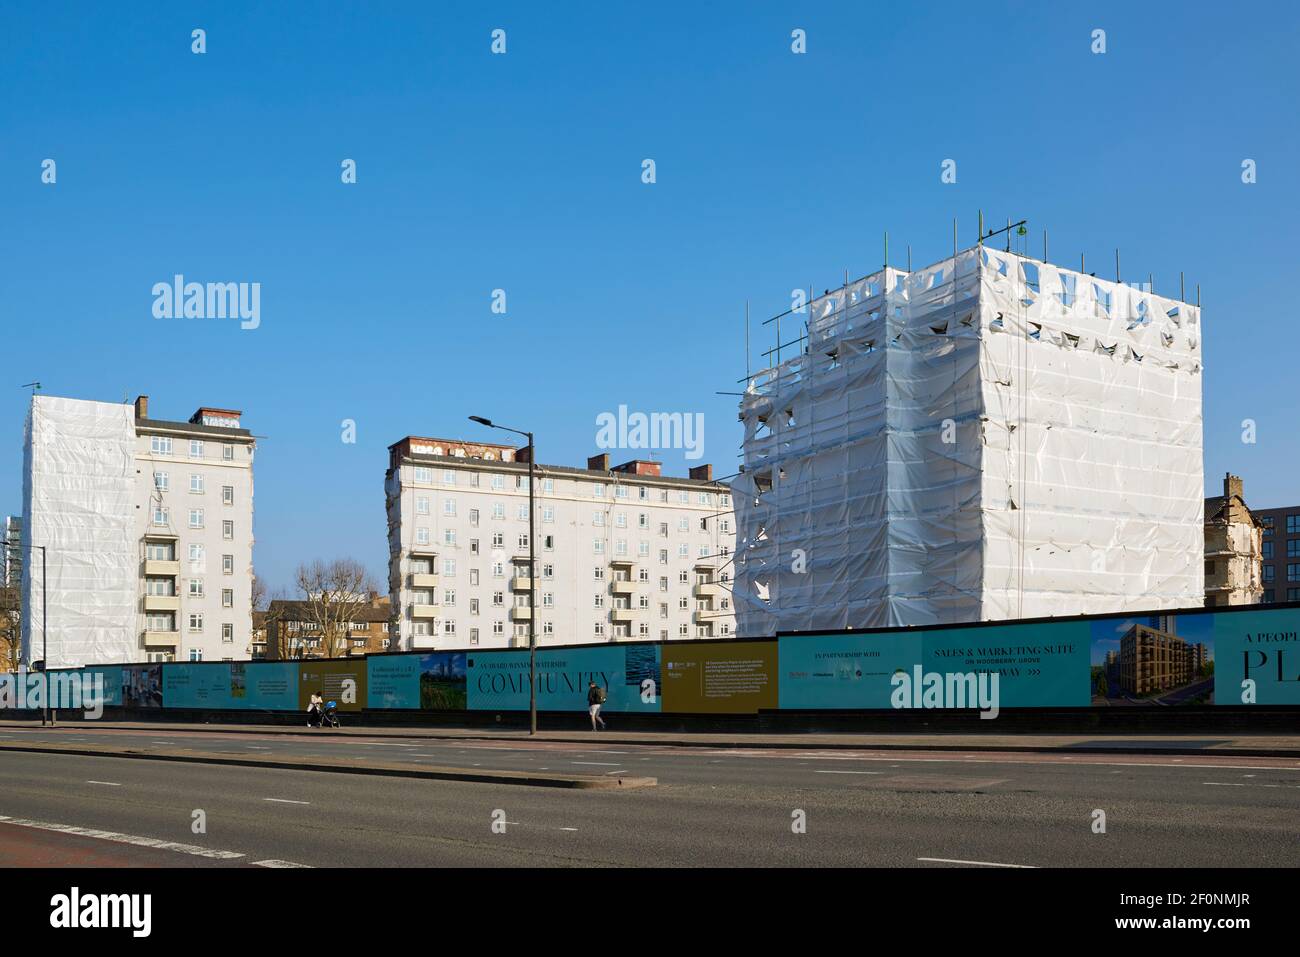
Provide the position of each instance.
(147, 525)
(622, 553)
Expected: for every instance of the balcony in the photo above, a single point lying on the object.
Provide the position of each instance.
(424, 612)
(707, 590)
(704, 616)
(424, 580)
(159, 566)
(162, 602)
(626, 587)
(521, 583)
(423, 642)
(161, 639)
(521, 613)
(621, 616)
(622, 562)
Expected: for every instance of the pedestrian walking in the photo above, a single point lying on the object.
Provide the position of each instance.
(595, 699)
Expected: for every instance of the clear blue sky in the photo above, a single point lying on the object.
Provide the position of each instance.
(522, 172)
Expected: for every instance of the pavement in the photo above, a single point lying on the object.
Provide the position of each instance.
(715, 806)
(1248, 745)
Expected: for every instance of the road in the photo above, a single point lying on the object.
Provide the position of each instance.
(721, 807)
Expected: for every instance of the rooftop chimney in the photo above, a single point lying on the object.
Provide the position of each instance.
(640, 467)
(599, 463)
(142, 407)
(523, 454)
(702, 472)
(1233, 485)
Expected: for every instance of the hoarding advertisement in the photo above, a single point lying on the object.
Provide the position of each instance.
(188, 685)
(720, 678)
(628, 673)
(393, 681)
(341, 680)
(264, 686)
(1037, 665)
(1258, 657)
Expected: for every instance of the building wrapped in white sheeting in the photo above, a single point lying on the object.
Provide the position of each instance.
(988, 438)
(78, 484)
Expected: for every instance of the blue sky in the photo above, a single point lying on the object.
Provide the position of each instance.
(522, 172)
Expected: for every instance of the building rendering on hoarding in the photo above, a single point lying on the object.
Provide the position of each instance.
(147, 530)
(1233, 548)
(990, 437)
(621, 553)
(1151, 660)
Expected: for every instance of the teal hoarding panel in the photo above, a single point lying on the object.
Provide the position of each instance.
(1262, 647)
(628, 673)
(264, 685)
(1038, 665)
(192, 685)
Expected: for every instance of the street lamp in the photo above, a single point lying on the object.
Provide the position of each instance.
(46, 717)
(532, 570)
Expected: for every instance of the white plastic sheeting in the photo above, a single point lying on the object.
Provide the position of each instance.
(78, 482)
(987, 438)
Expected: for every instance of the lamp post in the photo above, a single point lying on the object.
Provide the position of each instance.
(532, 570)
(46, 717)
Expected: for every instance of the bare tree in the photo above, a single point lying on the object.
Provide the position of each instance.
(10, 628)
(335, 593)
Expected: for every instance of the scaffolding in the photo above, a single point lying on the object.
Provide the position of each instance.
(990, 437)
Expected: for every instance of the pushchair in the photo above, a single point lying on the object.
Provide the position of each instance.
(329, 718)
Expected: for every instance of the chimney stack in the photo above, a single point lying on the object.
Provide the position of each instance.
(599, 463)
(523, 454)
(702, 472)
(1233, 485)
(142, 407)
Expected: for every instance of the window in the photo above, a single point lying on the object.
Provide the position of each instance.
(196, 483)
(227, 564)
(448, 477)
(473, 546)
(161, 515)
(1293, 572)
(227, 632)
(449, 536)
(498, 483)
(196, 448)
(196, 554)
(424, 475)
(663, 582)
(548, 485)
(160, 481)
(498, 539)
(523, 541)
(620, 547)
(160, 551)
(598, 546)
(449, 628)
(196, 654)
(1267, 522)
(599, 600)
(642, 520)
(449, 596)
(663, 609)
(160, 586)
(498, 511)
(1268, 574)
(449, 566)
(473, 576)
(643, 549)
(473, 517)
(227, 530)
(421, 536)
(548, 571)
(196, 621)
(498, 569)
(473, 636)
(421, 505)
(449, 507)
(227, 598)
(1293, 524)
(620, 519)
(473, 606)
(522, 512)
(600, 629)
(1268, 550)
(498, 599)
(196, 518)
(498, 628)
(196, 587)
(160, 444)
(228, 452)
(1292, 594)
(599, 491)
(548, 513)
(663, 556)
(598, 519)
(548, 628)
(548, 600)
(1292, 548)
(599, 574)
(227, 495)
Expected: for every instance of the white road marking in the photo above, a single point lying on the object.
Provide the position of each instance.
(115, 837)
(619, 771)
(603, 764)
(258, 747)
(285, 801)
(588, 751)
(275, 863)
(111, 784)
(1223, 784)
(568, 829)
(949, 860)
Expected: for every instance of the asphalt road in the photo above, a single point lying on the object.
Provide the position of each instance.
(712, 807)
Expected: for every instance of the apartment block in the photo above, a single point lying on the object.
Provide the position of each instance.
(1151, 660)
(622, 553)
(147, 526)
(1279, 553)
(292, 629)
(11, 569)
(1233, 546)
